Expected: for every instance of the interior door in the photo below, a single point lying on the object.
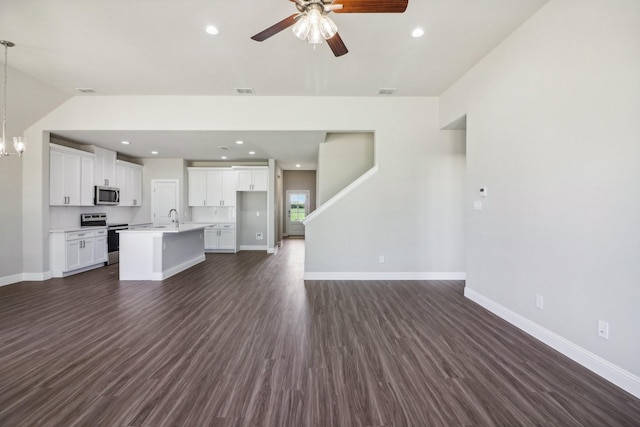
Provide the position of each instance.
(164, 197)
(297, 210)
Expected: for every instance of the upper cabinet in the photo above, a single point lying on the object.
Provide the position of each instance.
(253, 179)
(129, 181)
(70, 177)
(212, 187)
(105, 167)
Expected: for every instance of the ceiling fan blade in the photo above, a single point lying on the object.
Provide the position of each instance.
(275, 29)
(372, 6)
(337, 45)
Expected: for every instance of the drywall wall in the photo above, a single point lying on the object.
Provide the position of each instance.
(28, 100)
(553, 133)
(252, 219)
(415, 206)
(162, 169)
(298, 180)
(279, 196)
(341, 159)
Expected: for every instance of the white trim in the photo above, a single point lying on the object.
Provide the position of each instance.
(37, 277)
(288, 205)
(25, 277)
(607, 370)
(178, 268)
(8, 280)
(383, 275)
(253, 247)
(273, 250)
(346, 190)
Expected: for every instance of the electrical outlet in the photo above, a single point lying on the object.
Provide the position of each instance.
(540, 302)
(258, 236)
(603, 329)
(381, 259)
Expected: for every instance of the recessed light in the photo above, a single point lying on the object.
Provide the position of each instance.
(252, 152)
(154, 152)
(126, 142)
(211, 29)
(297, 166)
(417, 32)
(239, 142)
(224, 157)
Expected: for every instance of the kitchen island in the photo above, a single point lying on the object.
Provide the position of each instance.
(159, 252)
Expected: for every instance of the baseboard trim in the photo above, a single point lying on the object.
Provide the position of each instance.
(9, 280)
(605, 369)
(384, 275)
(179, 268)
(253, 247)
(25, 277)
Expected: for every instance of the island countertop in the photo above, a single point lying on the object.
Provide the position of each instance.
(166, 228)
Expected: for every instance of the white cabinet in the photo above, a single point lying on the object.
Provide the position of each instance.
(220, 238)
(105, 167)
(76, 251)
(253, 179)
(70, 177)
(212, 187)
(100, 248)
(129, 181)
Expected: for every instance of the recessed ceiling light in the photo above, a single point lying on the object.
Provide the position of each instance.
(252, 152)
(224, 157)
(417, 32)
(154, 152)
(297, 166)
(211, 29)
(126, 142)
(239, 142)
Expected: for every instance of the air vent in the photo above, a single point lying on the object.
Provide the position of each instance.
(387, 91)
(245, 91)
(225, 148)
(85, 90)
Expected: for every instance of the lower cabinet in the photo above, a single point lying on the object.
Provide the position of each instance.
(220, 238)
(76, 251)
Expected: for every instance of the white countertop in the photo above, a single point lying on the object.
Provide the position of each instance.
(166, 228)
(73, 229)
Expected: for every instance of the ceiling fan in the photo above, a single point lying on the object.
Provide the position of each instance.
(312, 23)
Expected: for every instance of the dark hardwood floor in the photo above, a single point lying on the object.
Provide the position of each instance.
(243, 340)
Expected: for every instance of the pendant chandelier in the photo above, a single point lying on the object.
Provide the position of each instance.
(18, 144)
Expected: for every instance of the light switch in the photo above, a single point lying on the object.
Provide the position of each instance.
(483, 192)
(477, 205)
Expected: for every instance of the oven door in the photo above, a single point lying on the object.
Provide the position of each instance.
(113, 243)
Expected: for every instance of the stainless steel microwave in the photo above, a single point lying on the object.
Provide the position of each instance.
(106, 196)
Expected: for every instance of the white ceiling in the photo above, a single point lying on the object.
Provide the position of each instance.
(159, 47)
(289, 148)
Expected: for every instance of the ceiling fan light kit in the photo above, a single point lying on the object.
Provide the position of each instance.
(313, 24)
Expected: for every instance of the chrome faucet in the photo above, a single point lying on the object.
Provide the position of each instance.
(176, 220)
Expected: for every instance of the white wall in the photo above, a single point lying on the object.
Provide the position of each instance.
(342, 158)
(415, 206)
(162, 169)
(252, 218)
(553, 132)
(28, 100)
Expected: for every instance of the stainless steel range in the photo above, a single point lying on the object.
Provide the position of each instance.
(113, 239)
